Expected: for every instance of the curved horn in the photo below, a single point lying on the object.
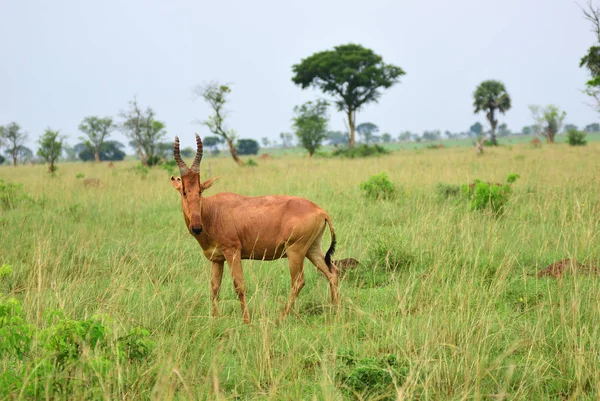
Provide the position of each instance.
(196, 165)
(180, 163)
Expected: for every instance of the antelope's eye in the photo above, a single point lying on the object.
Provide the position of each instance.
(183, 193)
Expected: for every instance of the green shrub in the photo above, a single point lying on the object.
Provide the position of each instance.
(494, 196)
(141, 170)
(79, 176)
(11, 195)
(576, 137)
(370, 378)
(361, 151)
(170, 167)
(378, 187)
(251, 163)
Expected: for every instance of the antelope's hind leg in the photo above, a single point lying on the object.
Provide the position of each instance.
(234, 260)
(216, 278)
(296, 261)
(316, 256)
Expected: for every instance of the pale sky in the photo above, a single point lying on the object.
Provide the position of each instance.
(64, 60)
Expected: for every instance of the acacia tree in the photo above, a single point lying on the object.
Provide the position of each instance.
(97, 130)
(310, 124)
(367, 131)
(215, 94)
(144, 130)
(549, 120)
(351, 73)
(14, 140)
(491, 97)
(51, 148)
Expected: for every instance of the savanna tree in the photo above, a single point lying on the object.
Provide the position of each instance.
(337, 138)
(491, 97)
(310, 124)
(476, 129)
(247, 147)
(350, 73)
(594, 127)
(549, 119)
(405, 136)
(109, 151)
(144, 131)
(287, 139)
(591, 61)
(216, 95)
(367, 131)
(13, 140)
(386, 138)
(213, 142)
(51, 147)
(97, 130)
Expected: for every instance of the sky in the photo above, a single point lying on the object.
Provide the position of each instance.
(65, 60)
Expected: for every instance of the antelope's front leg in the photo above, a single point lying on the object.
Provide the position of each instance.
(216, 277)
(234, 260)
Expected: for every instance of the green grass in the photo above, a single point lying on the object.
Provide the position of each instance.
(444, 305)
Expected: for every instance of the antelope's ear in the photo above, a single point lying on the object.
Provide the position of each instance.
(176, 182)
(208, 183)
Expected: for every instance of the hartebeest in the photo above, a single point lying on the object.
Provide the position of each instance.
(231, 227)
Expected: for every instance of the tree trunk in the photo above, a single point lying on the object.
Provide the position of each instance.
(351, 126)
(493, 124)
(234, 153)
(97, 156)
(51, 166)
(143, 159)
(14, 160)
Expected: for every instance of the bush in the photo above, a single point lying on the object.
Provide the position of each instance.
(251, 163)
(485, 195)
(361, 151)
(378, 187)
(11, 195)
(170, 167)
(247, 147)
(576, 137)
(370, 378)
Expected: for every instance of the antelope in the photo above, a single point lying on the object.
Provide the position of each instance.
(231, 227)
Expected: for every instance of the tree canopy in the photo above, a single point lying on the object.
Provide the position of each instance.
(97, 130)
(51, 147)
(247, 147)
(109, 151)
(13, 140)
(352, 74)
(367, 131)
(142, 128)
(310, 124)
(491, 97)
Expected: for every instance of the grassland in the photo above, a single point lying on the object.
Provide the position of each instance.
(445, 305)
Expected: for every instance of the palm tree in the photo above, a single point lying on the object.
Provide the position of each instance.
(489, 97)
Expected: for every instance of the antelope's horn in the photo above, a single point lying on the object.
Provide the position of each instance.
(198, 158)
(180, 163)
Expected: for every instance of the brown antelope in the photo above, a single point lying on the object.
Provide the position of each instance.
(231, 227)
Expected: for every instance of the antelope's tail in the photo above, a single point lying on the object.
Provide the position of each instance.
(331, 249)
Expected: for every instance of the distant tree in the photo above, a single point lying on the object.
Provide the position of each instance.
(367, 131)
(13, 140)
(265, 142)
(503, 130)
(71, 153)
(216, 95)
(247, 147)
(549, 119)
(109, 151)
(143, 129)
(405, 136)
(386, 138)
(351, 73)
(476, 129)
(97, 130)
(569, 127)
(310, 124)
(491, 97)
(188, 152)
(594, 127)
(24, 154)
(526, 130)
(2, 159)
(213, 142)
(286, 139)
(431, 135)
(51, 148)
(337, 138)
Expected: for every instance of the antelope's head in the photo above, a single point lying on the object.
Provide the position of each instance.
(190, 188)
